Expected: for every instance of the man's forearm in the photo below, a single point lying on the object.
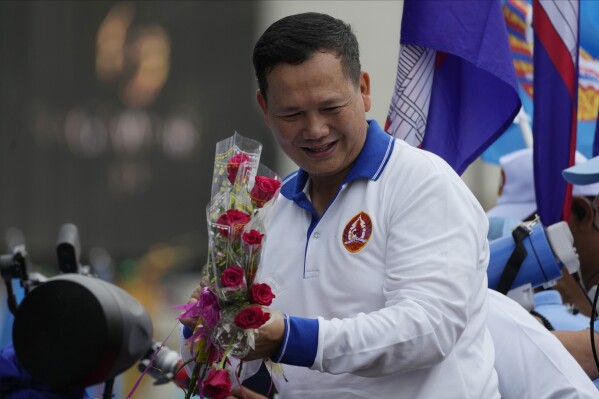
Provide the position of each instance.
(578, 343)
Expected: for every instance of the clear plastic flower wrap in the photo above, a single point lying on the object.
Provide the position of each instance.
(232, 305)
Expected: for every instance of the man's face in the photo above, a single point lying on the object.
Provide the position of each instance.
(586, 240)
(317, 115)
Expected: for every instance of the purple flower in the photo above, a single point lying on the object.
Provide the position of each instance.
(206, 307)
(209, 310)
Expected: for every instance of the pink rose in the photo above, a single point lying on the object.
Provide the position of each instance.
(233, 165)
(252, 237)
(217, 384)
(264, 190)
(235, 219)
(251, 317)
(261, 294)
(232, 277)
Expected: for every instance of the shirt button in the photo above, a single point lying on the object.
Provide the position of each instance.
(316, 235)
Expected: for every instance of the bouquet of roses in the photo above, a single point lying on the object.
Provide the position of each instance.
(230, 306)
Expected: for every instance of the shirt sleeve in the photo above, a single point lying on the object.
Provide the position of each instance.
(530, 361)
(300, 341)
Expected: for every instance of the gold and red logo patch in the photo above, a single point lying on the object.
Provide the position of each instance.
(357, 232)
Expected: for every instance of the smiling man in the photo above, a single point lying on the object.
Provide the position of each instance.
(317, 115)
(400, 311)
(381, 247)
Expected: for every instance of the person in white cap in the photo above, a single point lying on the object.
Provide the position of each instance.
(531, 361)
(586, 174)
(517, 202)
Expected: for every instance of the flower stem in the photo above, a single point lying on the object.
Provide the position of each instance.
(193, 383)
(229, 347)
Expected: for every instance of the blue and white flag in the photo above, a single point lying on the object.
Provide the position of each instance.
(555, 104)
(456, 89)
(518, 16)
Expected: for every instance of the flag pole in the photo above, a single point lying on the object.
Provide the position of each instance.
(523, 122)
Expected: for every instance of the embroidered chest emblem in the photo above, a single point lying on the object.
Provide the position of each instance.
(357, 232)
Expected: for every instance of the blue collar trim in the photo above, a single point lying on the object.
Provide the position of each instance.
(369, 164)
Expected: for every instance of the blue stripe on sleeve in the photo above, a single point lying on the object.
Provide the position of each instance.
(187, 332)
(300, 342)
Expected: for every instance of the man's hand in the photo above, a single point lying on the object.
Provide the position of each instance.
(247, 394)
(269, 338)
(191, 322)
(571, 293)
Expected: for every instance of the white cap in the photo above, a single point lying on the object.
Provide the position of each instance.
(584, 172)
(517, 191)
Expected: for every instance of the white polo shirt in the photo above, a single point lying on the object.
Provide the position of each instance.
(532, 362)
(387, 290)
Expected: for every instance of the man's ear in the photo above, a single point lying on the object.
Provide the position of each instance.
(582, 213)
(262, 103)
(365, 90)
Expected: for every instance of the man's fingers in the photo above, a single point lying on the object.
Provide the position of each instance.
(196, 293)
(249, 394)
(190, 322)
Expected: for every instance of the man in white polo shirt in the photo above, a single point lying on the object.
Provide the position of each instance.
(381, 246)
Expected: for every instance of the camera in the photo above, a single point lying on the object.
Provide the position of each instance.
(74, 330)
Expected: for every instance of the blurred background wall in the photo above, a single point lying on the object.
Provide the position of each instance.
(109, 113)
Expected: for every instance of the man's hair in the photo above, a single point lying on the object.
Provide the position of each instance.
(294, 39)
